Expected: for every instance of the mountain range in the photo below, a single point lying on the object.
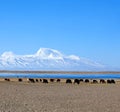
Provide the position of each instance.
(47, 59)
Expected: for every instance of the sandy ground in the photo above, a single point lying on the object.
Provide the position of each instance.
(37, 97)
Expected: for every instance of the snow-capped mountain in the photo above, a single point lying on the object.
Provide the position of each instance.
(47, 59)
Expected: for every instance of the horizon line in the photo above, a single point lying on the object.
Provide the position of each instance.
(57, 72)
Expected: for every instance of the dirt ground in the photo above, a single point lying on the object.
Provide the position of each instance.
(38, 97)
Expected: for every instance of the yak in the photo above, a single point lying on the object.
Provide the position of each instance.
(81, 80)
(32, 80)
(112, 81)
(95, 81)
(45, 81)
(37, 80)
(68, 81)
(20, 80)
(109, 81)
(52, 80)
(40, 80)
(87, 81)
(102, 81)
(7, 79)
(58, 80)
(76, 81)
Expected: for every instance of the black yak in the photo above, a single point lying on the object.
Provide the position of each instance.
(87, 81)
(95, 81)
(52, 80)
(37, 80)
(109, 81)
(40, 80)
(113, 81)
(76, 81)
(45, 81)
(58, 80)
(7, 79)
(102, 81)
(32, 80)
(68, 81)
(81, 80)
(20, 80)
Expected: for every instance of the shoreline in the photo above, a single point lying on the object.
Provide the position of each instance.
(58, 72)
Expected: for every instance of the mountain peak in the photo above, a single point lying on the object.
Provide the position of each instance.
(49, 53)
(7, 54)
(47, 59)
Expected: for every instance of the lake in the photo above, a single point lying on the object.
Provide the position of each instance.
(64, 76)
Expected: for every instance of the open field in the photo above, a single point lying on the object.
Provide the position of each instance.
(59, 97)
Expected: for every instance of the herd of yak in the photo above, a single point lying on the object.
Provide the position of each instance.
(68, 81)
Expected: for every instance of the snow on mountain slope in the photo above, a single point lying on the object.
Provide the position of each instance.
(47, 53)
(46, 59)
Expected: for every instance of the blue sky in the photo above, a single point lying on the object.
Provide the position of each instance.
(88, 28)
